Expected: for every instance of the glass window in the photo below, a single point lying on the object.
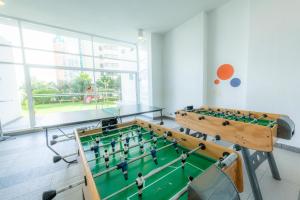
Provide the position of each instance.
(115, 88)
(9, 32)
(46, 38)
(10, 54)
(86, 47)
(111, 64)
(56, 90)
(69, 71)
(110, 49)
(57, 59)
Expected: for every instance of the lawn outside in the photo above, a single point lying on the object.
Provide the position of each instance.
(42, 109)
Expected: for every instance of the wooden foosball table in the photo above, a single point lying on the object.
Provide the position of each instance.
(245, 129)
(180, 164)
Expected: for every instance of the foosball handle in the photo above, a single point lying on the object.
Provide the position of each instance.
(48, 195)
(225, 123)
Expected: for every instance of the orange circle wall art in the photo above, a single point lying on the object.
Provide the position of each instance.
(225, 71)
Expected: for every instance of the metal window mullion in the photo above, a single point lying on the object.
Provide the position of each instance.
(94, 72)
(11, 63)
(137, 77)
(27, 79)
(76, 68)
(9, 45)
(59, 67)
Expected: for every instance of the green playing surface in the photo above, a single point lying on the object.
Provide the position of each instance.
(246, 119)
(162, 185)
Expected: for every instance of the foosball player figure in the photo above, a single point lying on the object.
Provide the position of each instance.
(183, 157)
(165, 136)
(113, 144)
(95, 148)
(97, 139)
(141, 143)
(154, 139)
(140, 183)
(127, 139)
(126, 149)
(153, 154)
(120, 135)
(106, 158)
(175, 145)
(151, 134)
(140, 135)
(124, 167)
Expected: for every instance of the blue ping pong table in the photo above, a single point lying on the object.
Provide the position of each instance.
(59, 120)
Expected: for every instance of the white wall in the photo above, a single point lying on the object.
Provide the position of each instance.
(261, 38)
(274, 47)
(228, 43)
(157, 69)
(183, 65)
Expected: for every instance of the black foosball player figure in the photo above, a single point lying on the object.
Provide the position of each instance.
(120, 135)
(140, 183)
(175, 145)
(106, 158)
(151, 134)
(141, 143)
(127, 139)
(113, 144)
(154, 155)
(165, 136)
(95, 148)
(190, 180)
(126, 149)
(97, 139)
(124, 167)
(140, 135)
(183, 156)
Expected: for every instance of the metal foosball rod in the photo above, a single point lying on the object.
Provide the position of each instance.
(120, 140)
(256, 119)
(120, 150)
(57, 158)
(48, 195)
(53, 142)
(108, 136)
(109, 130)
(66, 135)
(155, 171)
(130, 161)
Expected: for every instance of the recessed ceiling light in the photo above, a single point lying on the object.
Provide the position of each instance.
(140, 34)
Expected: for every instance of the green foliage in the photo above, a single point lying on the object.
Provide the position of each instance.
(81, 83)
(109, 82)
(51, 92)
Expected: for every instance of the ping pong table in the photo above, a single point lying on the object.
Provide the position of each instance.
(59, 120)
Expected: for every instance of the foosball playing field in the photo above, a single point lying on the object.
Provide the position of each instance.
(238, 116)
(164, 174)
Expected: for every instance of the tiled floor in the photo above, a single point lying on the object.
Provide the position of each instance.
(26, 170)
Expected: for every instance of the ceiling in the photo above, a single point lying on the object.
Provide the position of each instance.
(113, 18)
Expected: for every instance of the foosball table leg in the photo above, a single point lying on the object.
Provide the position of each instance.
(251, 174)
(273, 166)
(252, 162)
